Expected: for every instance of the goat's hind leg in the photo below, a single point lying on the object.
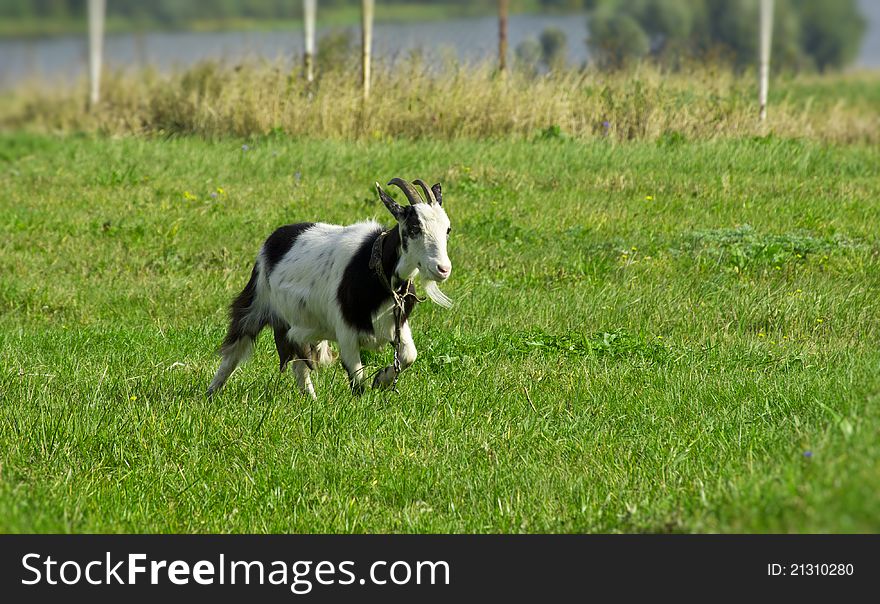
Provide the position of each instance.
(301, 355)
(288, 349)
(233, 354)
(322, 354)
(245, 324)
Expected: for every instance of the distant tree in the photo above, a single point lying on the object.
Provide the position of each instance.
(734, 28)
(787, 51)
(668, 24)
(831, 31)
(528, 56)
(336, 51)
(824, 33)
(616, 37)
(16, 9)
(554, 47)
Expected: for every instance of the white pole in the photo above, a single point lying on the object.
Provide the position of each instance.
(766, 38)
(309, 10)
(96, 48)
(367, 42)
(503, 9)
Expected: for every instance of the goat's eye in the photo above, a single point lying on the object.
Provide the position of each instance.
(414, 231)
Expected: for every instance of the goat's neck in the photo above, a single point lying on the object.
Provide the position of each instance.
(395, 263)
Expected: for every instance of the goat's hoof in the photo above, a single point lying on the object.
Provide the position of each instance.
(358, 389)
(384, 379)
(309, 394)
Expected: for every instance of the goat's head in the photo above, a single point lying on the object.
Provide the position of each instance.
(424, 230)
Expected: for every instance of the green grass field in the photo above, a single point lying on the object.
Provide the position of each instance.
(650, 336)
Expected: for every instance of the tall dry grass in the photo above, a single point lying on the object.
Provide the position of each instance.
(409, 100)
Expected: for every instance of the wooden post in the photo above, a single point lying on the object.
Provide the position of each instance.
(309, 10)
(96, 48)
(502, 34)
(366, 42)
(766, 39)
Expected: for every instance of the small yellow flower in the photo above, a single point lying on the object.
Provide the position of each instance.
(133, 397)
(188, 196)
(818, 320)
(649, 198)
(221, 191)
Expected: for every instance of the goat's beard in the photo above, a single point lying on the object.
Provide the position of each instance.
(434, 293)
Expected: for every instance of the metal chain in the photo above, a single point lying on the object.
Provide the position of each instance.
(398, 314)
(399, 301)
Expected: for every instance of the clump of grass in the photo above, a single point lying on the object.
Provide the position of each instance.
(536, 343)
(411, 100)
(615, 345)
(743, 247)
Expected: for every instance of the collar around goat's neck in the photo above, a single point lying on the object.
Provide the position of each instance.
(386, 255)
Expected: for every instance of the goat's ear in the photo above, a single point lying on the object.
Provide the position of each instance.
(395, 208)
(436, 190)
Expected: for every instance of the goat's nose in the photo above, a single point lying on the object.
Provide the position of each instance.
(443, 270)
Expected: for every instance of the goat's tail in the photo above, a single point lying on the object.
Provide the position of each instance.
(247, 318)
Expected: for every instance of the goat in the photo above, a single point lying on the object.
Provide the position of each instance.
(316, 282)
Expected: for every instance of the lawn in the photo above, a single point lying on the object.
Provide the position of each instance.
(667, 335)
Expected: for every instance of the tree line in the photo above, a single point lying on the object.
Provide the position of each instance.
(821, 34)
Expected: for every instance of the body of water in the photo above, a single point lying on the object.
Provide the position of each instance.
(470, 40)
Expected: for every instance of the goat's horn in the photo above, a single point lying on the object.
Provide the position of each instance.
(407, 189)
(429, 194)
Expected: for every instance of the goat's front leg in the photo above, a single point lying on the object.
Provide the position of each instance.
(385, 377)
(350, 355)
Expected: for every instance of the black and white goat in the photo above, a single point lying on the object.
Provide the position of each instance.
(315, 282)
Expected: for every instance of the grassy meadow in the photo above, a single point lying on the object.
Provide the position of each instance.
(647, 337)
(668, 323)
